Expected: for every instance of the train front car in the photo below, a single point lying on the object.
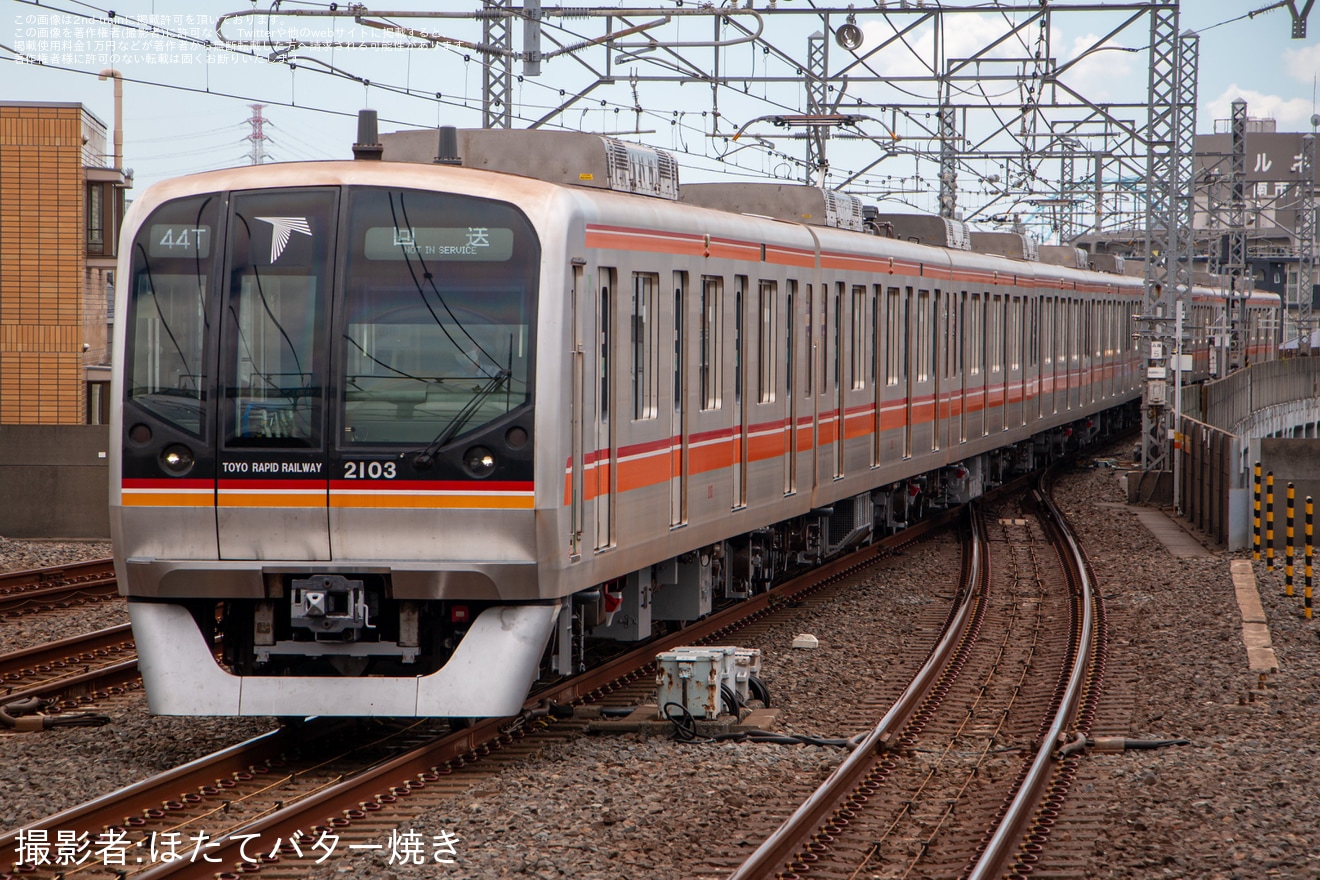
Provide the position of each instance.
(324, 433)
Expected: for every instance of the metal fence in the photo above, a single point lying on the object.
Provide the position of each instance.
(1208, 459)
(1221, 421)
(1231, 403)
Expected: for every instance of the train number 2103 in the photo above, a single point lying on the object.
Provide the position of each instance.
(370, 470)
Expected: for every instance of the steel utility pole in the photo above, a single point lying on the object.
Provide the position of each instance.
(1306, 243)
(1168, 270)
(257, 137)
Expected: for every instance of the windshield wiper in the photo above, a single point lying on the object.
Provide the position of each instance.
(461, 418)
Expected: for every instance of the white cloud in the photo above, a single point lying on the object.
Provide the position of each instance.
(1303, 64)
(1104, 74)
(912, 55)
(1292, 114)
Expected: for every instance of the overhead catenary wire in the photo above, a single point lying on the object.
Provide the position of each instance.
(709, 154)
(108, 16)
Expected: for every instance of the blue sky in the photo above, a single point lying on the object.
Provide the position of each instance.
(169, 131)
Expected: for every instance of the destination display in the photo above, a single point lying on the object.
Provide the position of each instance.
(176, 241)
(488, 244)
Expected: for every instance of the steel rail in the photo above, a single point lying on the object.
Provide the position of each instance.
(411, 770)
(173, 785)
(35, 599)
(781, 845)
(415, 769)
(95, 569)
(1004, 843)
(73, 651)
(98, 679)
(28, 590)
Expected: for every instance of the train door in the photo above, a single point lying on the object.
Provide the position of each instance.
(840, 408)
(975, 367)
(767, 364)
(1101, 356)
(1075, 341)
(961, 365)
(711, 348)
(272, 498)
(938, 343)
(994, 375)
(1106, 347)
(1055, 351)
(1060, 354)
(922, 339)
(1088, 354)
(603, 473)
(809, 389)
(576, 423)
(740, 395)
(824, 467)
(790, 425)
(1034, 356)
(678, 483)
(1020, 360)
(909, 370)
(876, 351)
(1031, 360)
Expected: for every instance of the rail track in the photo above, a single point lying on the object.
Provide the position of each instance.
(357, 778)
(348, 779)
(70, 668)
(40, 589)
(966, 774)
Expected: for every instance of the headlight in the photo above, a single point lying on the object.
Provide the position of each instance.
(516, 437)
(177, 459)
(479, 461)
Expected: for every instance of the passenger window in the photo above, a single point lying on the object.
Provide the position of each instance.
(765, 343)
(645, 372)
(893, 337)
(858, 360)
(711, 374)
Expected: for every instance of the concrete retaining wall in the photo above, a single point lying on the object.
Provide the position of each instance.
(54, 481)
(1292, 459)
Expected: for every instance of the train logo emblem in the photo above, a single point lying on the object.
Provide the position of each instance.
(281, 228)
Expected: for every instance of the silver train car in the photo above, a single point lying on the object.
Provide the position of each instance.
(395, 437)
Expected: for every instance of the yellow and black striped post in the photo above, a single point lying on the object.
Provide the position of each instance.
(1288, 534)
(1310, 508)
(1255, 530)
(1269, 520)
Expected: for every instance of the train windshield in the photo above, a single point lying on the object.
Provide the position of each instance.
(281, 253)
(439, 305)
(167, 311)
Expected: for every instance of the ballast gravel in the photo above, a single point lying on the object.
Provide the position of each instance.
(1238, 801)
(28, 630)
(44, 773)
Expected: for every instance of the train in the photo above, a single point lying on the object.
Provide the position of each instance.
(401, 434)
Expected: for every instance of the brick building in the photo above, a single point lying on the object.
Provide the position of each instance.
(60, 207)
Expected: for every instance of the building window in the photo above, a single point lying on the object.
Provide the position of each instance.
(98, 403)
(95, 218)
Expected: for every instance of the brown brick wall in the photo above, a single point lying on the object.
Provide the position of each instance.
(42, 265)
